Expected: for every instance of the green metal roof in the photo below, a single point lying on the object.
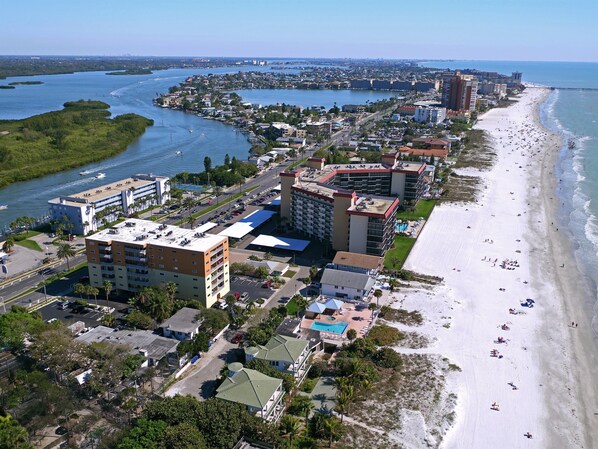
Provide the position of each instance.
(248, 387)
(286, 349)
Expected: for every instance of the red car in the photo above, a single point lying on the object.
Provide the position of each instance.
(237, 295)
(267, 284)
(238, 338)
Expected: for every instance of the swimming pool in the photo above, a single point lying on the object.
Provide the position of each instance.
(401, 227)
(336, 328)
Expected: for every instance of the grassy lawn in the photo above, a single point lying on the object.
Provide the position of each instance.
(295, 164)
(31, 244)
(396, 256)
(292, 308)
(289, 274)
(423, 208)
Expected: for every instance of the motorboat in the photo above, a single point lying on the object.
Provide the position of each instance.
(3, 206)
(100, 175)
(85, 172)
(178, 153)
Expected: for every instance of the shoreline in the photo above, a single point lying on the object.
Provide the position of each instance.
(576, 301)
(465, 244)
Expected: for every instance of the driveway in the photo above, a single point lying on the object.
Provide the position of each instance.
(200, 381)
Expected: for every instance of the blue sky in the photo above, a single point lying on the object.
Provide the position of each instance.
(548, 30)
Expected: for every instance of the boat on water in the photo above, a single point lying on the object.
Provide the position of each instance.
(179, 153)
(3, 206)
(190, 130)
(100, 175)
(85, 172)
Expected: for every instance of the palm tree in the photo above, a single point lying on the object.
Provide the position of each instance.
(107, 289)
(290, 427)
(343, 401)
(373, 307)
(393, 283)
(80, 290)
(377, 295)
(171, 290)
(66, 251)
(8, 244)
(332, 427)
(93, 292)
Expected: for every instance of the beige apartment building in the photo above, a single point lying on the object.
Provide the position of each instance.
(140, 253)
(351, 206)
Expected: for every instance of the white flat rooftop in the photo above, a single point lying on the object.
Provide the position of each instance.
(141, 232)
(281, 242)
(205, 227)
(244, 226)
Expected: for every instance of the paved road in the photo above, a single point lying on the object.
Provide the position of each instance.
(200, 381)
(58, 288)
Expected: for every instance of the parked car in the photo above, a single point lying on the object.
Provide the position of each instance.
(244, 296)
(238, 338)
(63, 305)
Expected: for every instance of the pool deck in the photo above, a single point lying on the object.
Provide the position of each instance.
(360, 320)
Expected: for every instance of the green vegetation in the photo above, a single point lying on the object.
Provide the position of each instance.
(409, 318)
(266, 328)
(132, 72)
(79, 134)
(383, 335)
(423, 208)
(225, 175)
(25, 83)
(209, 209)
(295, 164)
(396, 256)
(212, 424)
(31, 244)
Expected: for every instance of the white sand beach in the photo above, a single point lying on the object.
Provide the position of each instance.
(493, 255)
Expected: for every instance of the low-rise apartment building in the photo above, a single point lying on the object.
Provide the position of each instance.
(140, 253)
(260, 394)
(352, 206)
(87, 210)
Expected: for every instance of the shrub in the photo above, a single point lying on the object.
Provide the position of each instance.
(308, 385)
(383, 335)
(387, 358)
(317, 369)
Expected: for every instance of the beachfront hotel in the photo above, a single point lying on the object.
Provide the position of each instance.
(140, 253)
(86, 210)
(351, 206)
(459, 92)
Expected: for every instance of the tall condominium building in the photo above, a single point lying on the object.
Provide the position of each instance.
(459, 92)
(140, 253)
(352, 206)
(424, 114)
(86, 210)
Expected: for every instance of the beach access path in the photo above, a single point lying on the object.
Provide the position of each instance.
(492, 259)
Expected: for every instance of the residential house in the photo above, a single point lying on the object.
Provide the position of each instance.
(346, 284)
(183, 325)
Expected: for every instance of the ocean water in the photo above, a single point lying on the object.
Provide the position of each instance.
(574, 114)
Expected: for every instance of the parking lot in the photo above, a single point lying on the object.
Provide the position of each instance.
(70, 315)
(240, 284)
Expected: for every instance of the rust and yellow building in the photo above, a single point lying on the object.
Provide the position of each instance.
(139, 253)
